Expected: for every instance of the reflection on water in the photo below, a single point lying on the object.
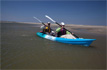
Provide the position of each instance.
(22, 49)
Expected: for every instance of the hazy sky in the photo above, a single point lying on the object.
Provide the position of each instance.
(70, 12)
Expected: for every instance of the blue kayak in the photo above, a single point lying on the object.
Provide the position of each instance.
(77, 41)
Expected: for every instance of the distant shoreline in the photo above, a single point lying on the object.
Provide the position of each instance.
(72, 27)
(53, 24)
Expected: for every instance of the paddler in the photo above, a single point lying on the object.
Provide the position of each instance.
(62, 32)
(46, 29)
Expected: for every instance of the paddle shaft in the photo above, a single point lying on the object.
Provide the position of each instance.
(43, 24)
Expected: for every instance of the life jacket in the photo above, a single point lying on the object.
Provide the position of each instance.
(63, 31)
(47, 29)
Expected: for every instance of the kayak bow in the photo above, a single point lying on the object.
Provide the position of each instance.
(77, 41)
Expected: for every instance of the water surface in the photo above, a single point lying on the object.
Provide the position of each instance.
(21, 48)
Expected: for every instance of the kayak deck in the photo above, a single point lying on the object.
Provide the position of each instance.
(77, 41)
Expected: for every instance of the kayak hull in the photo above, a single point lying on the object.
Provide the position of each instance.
(77, 41)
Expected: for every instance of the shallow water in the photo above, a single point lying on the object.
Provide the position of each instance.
(21, 48)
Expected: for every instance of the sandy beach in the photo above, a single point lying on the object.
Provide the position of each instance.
(78, 28)
(21, 48)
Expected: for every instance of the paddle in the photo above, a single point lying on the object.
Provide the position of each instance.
(60, 25)
(39, 21)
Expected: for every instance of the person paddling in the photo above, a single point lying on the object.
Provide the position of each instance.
(61, 31)
(46, 28)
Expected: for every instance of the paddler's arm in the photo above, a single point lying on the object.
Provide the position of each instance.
(67, 32)
(58, 29)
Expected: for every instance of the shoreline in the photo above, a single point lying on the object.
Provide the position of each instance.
(80, 28)
(53, 24)
(75, 28)
(65, 24)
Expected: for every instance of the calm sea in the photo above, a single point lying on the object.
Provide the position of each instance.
(21, 48)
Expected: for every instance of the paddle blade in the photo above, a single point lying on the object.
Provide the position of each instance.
(50, 18)
(37, 19)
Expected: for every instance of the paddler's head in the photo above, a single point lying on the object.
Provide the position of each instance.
(62, 24)
(48, 23)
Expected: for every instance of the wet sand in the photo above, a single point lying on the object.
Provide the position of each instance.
(21, 48)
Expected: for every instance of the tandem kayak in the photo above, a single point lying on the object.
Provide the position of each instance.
(77, 41)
